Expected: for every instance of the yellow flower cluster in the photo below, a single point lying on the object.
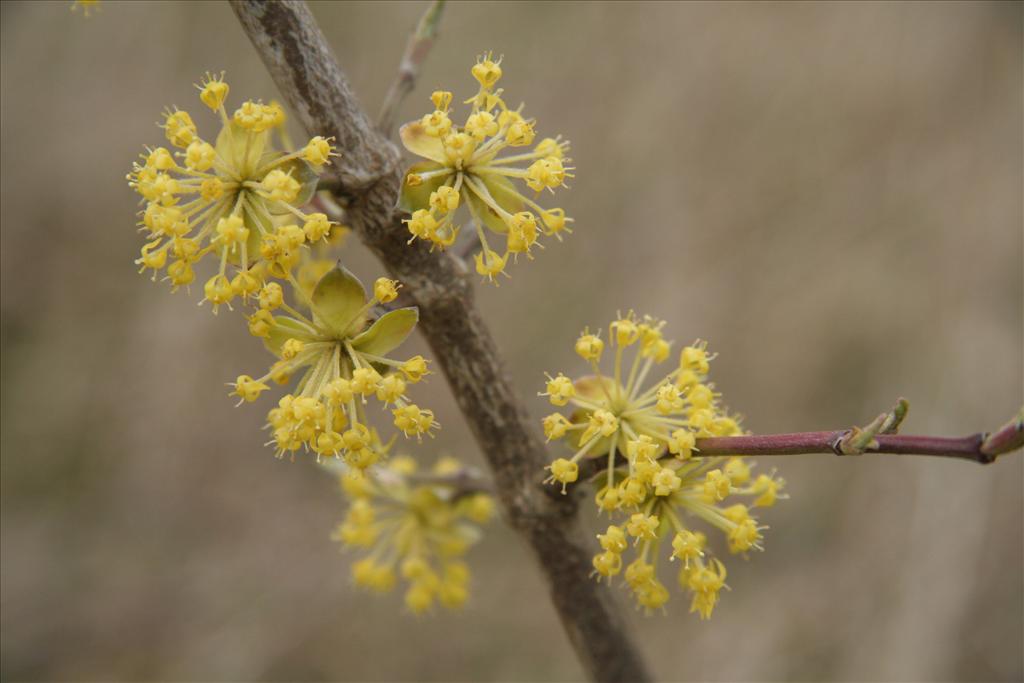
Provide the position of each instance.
(648, 437)
(418, 530)
(237, 198)
(463, 167)
(342, 354)
(240, 199)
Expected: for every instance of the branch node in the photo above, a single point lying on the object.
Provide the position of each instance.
(1007, 438)
(836, 444)
(860, 440)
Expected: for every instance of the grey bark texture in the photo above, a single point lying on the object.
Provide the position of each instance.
(290, 43)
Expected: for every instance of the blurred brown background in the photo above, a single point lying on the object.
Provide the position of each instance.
(829, 193)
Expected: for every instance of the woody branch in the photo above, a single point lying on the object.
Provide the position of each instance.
(297, 55)
(878, 437)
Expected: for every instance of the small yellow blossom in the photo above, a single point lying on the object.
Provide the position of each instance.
(555, 426)
(613, 539)
(413, 420)
(316, 228)
(589, 347)
(213, 91)
(705, 581)
(559, 390)
(682, 443)
(646, 435)
(463, 166)
(223, 197)
(414, 369)
(563, 471)
(666, 482)
(343, 357)
(318, 151)
(248, 389)
(642, 526)
(385, 290)
(416, 532)
(716, 485)
(608, 563)
(688, 545)
(767, 487)
(490, 263)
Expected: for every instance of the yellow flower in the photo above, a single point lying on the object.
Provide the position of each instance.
(418, 532)
(385, 290)
(555, 426)
(563, 471)
(318, 151)
(589, 347)
(559, 390)
(642, 526)
(343, 358)
(225, 197)
(490, 263)
(705, 581)
(608, 563)
(646, 435)
(688, 545)
(463, 166)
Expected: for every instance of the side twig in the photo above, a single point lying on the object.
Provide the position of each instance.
(878, 437)
(293, 48)
(963, 448)
(416, 52)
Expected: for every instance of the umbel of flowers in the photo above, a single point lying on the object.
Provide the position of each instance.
(341, 355)
(416, 532)
(478, 165)
(649, 479)
(236, 198)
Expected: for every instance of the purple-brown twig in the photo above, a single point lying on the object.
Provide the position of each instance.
(878, 437)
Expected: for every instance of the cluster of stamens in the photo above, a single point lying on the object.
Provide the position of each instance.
(463, 166)
(237, 198)
(650, 477)
(342, 354)
(418, 531)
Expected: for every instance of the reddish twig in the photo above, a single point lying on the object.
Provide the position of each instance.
(964, 448)
(878, 437)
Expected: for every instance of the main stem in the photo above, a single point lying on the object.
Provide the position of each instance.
(306, 72)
